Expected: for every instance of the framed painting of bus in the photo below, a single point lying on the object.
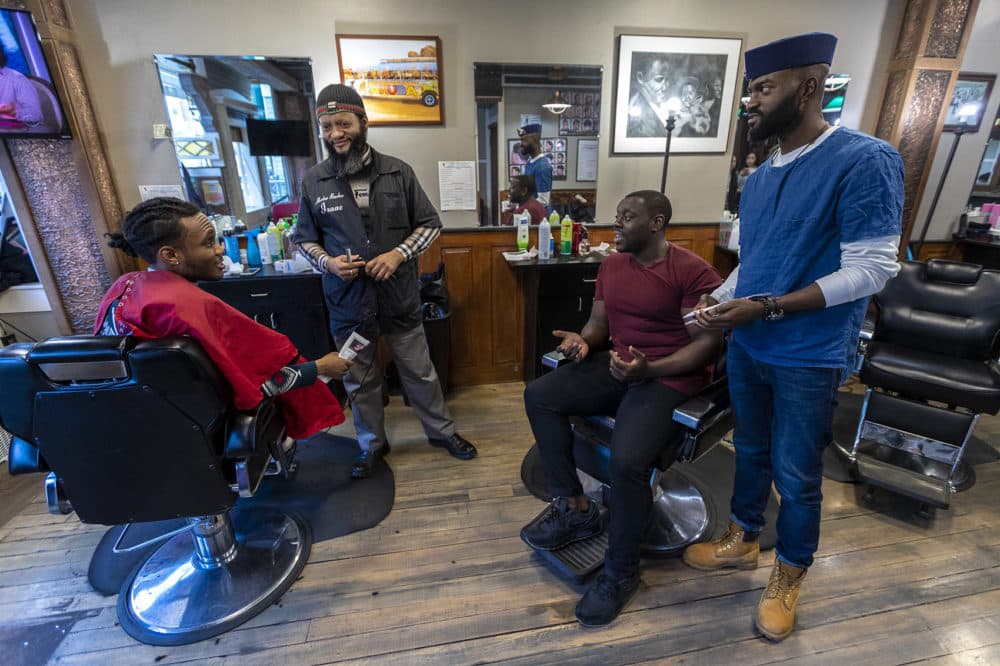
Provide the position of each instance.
(399, 77)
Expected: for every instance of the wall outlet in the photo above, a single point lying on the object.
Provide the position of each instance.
(161, 131)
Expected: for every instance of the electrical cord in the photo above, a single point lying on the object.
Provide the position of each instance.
(364, 377)
(6, 323)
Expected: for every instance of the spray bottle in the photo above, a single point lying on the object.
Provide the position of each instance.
(273, 241)
(544, 240)
(566, 236)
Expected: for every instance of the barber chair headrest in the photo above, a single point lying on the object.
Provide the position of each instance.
(941, 270)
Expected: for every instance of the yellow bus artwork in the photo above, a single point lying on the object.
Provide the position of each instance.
(403, 79)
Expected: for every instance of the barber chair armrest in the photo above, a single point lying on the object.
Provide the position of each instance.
(707, 417)
(25, 458)
(702, 409)
(252, 439)
(254, 432)
(79, 348)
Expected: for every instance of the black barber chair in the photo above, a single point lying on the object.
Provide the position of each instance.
(680, 515)
(144, 431)
(930, 371)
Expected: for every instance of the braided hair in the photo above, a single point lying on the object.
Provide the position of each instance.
(151, 225)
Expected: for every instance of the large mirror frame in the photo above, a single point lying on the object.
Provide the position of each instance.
(509, 94)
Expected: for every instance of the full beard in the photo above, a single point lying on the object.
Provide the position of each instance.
(353, 162)
(777, 123)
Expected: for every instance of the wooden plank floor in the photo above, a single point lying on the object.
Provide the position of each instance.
(446, 580)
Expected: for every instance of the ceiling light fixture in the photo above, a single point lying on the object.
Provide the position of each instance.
(556, 104)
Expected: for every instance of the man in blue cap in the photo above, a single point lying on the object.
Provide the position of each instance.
(819, 230)
(538, 167)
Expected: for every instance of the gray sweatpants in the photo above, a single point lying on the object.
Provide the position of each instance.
(419, 379)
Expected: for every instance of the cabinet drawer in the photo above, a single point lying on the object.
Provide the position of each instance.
(248, 295)
(568, 281)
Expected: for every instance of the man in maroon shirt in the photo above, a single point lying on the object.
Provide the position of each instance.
(524, 198)
(654, 363)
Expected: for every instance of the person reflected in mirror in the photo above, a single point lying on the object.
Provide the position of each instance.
(539, 165)
(179, 243)
(636, 359)
(750, 165)
(363, 221)
(18, 98)
(820, 225)
(522, 196)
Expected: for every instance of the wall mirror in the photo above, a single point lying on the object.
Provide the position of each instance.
(510, 95)
(241, 129)
(987, 185)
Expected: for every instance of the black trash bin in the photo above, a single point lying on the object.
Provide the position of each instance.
(438, 332)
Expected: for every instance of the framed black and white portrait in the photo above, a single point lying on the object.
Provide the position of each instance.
(691, 78)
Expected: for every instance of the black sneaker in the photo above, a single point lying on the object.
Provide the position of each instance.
(558, 526)
(605, 599)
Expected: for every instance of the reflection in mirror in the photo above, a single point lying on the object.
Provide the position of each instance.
(15, 262)
(566, 101)
(747, 156)
(241, 128)
(986, 189)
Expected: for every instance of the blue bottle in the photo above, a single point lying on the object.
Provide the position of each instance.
(253, 251)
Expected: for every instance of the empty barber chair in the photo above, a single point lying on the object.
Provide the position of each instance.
(680, 515)
(131, 432)
(930, 371)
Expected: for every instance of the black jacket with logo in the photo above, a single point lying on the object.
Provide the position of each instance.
(329, 215)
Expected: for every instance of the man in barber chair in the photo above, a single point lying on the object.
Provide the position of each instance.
(653, 364)
(179, 243)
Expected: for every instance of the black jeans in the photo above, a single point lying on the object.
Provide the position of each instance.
(644, 426)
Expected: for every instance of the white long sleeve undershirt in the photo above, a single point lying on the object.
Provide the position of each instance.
(865, 267)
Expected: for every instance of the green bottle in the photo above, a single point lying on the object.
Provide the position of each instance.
(566, 236)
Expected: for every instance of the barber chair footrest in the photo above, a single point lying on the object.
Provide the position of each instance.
(580, 559)
(189, 590)
(905, 473)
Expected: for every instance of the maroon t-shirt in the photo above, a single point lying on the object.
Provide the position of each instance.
(534, 208)
(644, 306)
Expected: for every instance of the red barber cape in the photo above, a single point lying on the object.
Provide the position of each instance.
(160, 304)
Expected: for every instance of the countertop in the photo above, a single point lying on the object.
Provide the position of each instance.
(594, 258)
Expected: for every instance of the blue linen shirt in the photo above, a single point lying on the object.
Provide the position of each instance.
(793, 219)
(541, 170)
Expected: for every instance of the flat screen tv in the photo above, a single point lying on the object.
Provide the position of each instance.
(29, 105)
(291, 138)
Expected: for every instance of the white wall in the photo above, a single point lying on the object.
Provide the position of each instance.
(118, 38)
(982, 55)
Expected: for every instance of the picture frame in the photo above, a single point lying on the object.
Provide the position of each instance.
(971, 88)
(583, 118)
(399, 77)
(699, 73)
(586, 160)
(554, 147)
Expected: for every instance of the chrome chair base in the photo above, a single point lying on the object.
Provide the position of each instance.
(213, 578)
(679, 517)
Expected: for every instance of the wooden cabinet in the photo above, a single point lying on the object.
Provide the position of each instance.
(565, 296)
(290, 304)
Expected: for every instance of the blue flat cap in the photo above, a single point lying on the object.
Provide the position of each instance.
(530, 128)
(811, 48)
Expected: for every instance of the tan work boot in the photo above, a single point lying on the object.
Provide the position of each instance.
(729, 551)
(776, 610)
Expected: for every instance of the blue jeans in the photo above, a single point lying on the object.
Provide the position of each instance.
(783, 421)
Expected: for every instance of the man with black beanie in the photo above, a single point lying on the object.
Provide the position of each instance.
(363, 221)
